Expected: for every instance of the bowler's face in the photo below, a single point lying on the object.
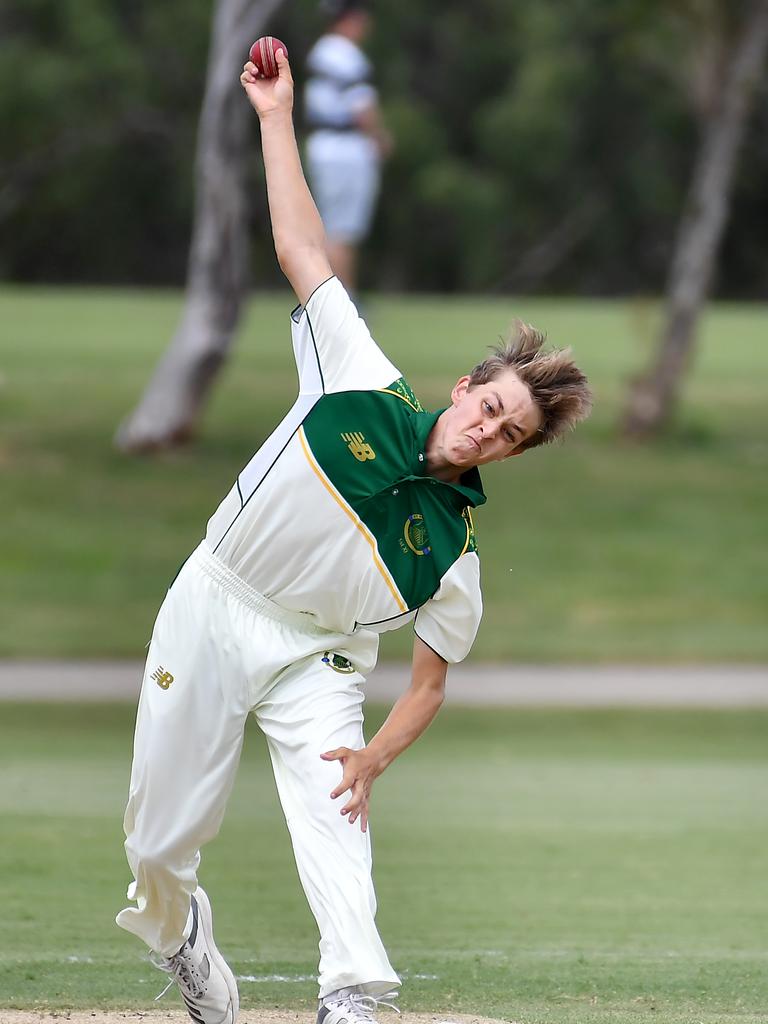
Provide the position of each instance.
(488, 422)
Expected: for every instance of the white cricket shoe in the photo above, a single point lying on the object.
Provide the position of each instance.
(203, 977)
(350, 1006)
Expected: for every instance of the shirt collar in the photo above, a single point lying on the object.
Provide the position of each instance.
(469, 486)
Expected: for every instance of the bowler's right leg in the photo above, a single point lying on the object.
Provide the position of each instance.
(189, 731)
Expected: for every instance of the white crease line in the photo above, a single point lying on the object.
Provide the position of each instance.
(289, 978)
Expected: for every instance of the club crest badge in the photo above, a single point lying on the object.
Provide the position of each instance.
(415, 534)
(338, 662)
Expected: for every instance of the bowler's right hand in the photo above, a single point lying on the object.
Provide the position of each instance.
(269, 95)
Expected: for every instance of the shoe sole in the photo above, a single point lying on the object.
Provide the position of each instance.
(206, 920)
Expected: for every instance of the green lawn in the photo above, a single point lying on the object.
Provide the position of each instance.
(594, 551)
(538, 866)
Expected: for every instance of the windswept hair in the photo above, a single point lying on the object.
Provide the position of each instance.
(557, 385)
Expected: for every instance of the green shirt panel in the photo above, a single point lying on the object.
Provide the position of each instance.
(369, 444)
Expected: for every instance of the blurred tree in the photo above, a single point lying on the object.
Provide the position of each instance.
(543, 145)
(732, 59)
(169, 408)
(98, 105)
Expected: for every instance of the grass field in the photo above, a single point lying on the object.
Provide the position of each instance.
(592, 552)
(555, 867)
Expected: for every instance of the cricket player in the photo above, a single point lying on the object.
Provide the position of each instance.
(352, 518)
(348, 139)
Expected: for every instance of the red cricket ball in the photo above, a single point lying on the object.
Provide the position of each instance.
(263, 55)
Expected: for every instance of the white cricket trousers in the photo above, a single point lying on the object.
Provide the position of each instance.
(219, 651)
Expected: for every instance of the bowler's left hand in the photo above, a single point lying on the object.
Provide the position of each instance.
(360, 771)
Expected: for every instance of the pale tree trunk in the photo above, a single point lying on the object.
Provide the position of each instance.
(168, 410)
(654, 396)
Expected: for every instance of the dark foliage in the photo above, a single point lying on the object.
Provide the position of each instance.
(541, 146)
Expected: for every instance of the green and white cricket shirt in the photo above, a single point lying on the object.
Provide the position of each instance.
(335, 515)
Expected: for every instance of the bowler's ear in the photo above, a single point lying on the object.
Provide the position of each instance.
(460, 389)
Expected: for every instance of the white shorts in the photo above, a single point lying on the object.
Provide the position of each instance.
(344, 178)
(220, 651)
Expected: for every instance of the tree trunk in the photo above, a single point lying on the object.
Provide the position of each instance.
(654, 396)
(168, 410)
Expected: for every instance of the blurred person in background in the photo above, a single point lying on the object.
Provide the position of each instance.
(348, 139)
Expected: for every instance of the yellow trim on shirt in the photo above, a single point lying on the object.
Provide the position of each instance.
(467, 520)
(389, 391)
(355, 519)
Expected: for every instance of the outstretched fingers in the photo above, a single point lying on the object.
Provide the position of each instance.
(355, 780)
(348, 778)
(357, 807)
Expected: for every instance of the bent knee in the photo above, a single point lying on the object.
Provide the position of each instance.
(161, 858)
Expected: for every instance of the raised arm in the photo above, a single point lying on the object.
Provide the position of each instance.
(296, 226)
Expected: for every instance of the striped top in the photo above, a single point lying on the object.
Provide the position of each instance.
(338, 86)
(335, 515)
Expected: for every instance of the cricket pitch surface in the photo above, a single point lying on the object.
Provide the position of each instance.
(257, 1016)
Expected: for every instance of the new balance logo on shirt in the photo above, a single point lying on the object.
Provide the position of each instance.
(357, 445)
(162, 678)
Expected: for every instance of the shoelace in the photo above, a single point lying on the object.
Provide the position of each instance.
(182, 970)
(363, 1006)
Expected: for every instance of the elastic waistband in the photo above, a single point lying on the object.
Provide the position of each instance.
(205, 560)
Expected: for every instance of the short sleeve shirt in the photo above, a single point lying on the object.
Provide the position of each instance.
(335, 515)
(339, 85)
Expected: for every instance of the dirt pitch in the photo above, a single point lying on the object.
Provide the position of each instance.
(179, 1017)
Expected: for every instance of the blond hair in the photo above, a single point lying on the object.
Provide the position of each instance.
(557, 386)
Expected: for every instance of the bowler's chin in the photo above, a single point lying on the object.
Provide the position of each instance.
(464, 458)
